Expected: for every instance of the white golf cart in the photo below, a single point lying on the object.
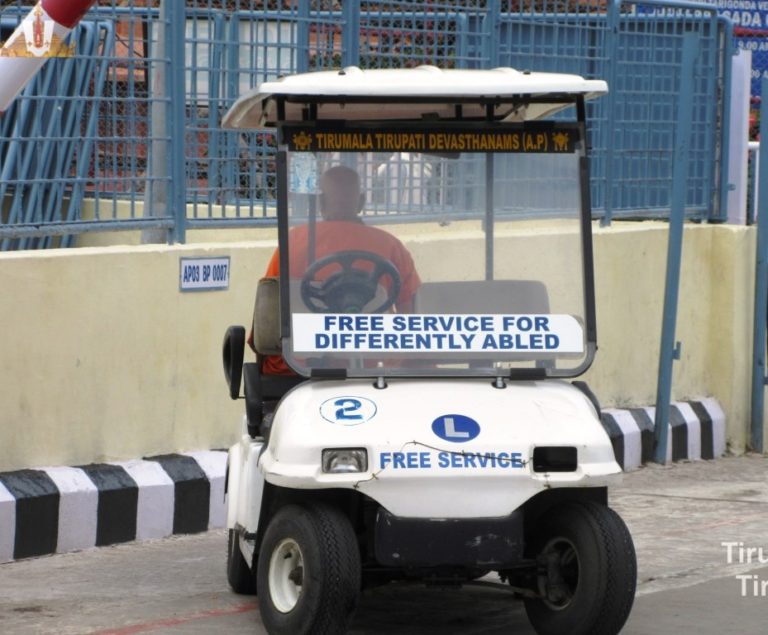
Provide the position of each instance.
(430, 435)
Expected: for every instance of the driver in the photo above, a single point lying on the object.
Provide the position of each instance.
(341, 229)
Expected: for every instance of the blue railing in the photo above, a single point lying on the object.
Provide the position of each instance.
(132, 139)
(42, 184)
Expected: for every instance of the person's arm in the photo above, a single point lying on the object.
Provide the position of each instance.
(409, 280)
(405, 306)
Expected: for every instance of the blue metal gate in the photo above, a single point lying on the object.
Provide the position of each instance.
(135, 140)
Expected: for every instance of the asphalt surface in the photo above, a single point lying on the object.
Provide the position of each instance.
(682, 517)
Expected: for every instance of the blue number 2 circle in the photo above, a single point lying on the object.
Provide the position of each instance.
(348, 411)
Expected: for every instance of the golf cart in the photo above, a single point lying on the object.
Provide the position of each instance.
(436, 438)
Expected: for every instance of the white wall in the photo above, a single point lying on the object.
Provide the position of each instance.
(102, 358)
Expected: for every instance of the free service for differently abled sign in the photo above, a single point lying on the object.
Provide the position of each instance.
(435, 333)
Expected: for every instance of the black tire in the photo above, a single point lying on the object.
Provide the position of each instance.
(592, 549)
(239, 575)
(308, 571)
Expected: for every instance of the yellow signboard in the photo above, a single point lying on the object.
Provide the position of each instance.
(555, 139)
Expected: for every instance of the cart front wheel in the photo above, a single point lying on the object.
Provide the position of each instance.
(587, 572)
(308, 571)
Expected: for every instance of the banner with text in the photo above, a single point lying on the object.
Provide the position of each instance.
(435, 333)
(557, 138)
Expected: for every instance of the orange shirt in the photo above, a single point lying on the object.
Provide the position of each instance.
(332, 236)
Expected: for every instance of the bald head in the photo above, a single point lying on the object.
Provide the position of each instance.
(340, 195)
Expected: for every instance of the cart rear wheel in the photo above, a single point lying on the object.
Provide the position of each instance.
(308, 572)
(587, 572)
(239, 574)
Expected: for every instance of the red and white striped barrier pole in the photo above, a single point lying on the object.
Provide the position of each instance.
(38, 38)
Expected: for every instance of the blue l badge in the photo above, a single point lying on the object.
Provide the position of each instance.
(455, 428)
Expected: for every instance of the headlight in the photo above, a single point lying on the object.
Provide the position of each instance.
(345, 460)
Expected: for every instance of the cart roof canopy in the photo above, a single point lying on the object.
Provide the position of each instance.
(425, 92)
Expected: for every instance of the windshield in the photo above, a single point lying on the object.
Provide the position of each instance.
(417, 251)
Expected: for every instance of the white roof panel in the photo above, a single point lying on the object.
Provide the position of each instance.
(339, 92)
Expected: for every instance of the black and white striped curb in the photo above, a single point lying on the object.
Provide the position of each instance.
(60, 509)
(696, 431)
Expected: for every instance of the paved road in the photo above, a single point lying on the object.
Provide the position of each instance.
(679, 516)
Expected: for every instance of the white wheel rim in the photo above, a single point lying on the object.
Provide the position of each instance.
(286, 559)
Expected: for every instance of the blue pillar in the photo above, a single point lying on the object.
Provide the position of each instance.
(165, 193)
(177, 91)
(302, 37)
(491, 31)
(350, 37)
(669, 350)
(609, 103)
(761, 287)
(729, 51)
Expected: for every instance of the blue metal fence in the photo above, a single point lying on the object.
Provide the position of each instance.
(47, 144)
(75, 147)
(134, 141)
(646, 97)
(637, 47)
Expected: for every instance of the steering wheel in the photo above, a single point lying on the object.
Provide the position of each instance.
(352, 288)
